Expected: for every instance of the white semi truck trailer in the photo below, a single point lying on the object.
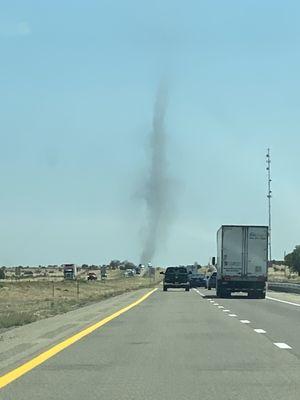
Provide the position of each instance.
(242, 260)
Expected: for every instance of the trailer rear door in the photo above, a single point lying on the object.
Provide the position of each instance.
(257, 239)
(232, 258)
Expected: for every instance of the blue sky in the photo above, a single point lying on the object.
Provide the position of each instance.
(78, 83)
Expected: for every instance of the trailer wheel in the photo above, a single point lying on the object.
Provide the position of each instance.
(165, 288)
(224, 294)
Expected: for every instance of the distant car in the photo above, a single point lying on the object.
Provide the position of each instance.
(92, 276)
(197, 281)
(202, 281)
(28, 273)
(129, 273)
(211, 281)
(176, 277)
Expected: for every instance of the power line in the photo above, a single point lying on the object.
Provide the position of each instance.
(269, 196)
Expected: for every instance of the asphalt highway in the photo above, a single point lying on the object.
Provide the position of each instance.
(178, 345)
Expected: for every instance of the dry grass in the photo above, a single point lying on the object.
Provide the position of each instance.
(283, 276)
(25, 302)
(16, 318)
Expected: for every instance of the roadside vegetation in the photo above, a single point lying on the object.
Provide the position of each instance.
(287, 270)
(22, 302)
(293, 260)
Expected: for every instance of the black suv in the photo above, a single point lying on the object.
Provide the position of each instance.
(176, 277)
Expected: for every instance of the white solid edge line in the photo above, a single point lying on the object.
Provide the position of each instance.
(282, 345)
(283, 301)
(259, 330)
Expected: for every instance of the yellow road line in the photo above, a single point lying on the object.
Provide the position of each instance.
(38, 360)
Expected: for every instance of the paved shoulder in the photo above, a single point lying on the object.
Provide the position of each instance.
(24, 342)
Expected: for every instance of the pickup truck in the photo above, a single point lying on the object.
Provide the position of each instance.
(176, 277)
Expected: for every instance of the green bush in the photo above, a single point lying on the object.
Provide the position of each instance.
(2, 273)
(293, 260)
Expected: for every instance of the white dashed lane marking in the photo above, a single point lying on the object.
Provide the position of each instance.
(282, 345)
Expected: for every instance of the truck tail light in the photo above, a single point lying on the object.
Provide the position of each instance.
(227, 278)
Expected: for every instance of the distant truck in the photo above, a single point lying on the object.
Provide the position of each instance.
(242, 260)
(192, 269)
(103, 273)
(70, 271)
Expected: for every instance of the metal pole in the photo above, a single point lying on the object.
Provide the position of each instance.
(269, 196)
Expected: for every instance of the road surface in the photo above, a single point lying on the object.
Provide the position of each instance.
(178, 345)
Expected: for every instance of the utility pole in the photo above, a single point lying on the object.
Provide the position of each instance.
(269, 196)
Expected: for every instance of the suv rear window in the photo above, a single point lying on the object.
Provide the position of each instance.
(170, 270)
(178, 270)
